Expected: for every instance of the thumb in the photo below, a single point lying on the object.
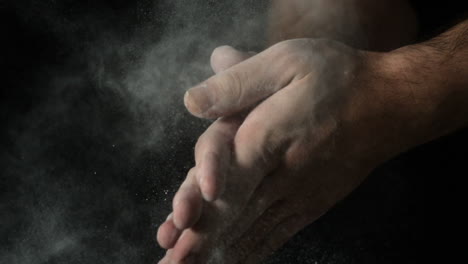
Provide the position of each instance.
(239, 87)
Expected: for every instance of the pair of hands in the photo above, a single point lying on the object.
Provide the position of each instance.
(298, 127)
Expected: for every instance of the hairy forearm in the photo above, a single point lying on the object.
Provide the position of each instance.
(364, 24)
(427, 87)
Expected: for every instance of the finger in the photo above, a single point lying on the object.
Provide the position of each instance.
(213, 154)
(276, 238)
(187, 203)
(257, 152)
(225, 57)
(242, 85)
(166, 258)
(272, 138)
(189, 243)
(215, 149)
(168, 234)
(201, 239)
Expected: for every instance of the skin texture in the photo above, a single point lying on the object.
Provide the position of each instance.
(299, 126)
(283, 170)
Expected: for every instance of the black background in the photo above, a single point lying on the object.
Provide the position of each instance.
(65, 156)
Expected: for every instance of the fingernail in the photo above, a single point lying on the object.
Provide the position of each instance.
(169, 217)
(198, 100)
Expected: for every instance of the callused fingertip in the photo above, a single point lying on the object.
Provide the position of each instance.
(198, 100)
(168, 234)
(189, 104)
(187, 209)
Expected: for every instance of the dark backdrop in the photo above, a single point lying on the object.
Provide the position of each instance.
(76, 187)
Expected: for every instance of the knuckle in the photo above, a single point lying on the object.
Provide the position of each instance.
(289, 47)
(229, 87)
(291, 55)
(258, 143)
(282, 46)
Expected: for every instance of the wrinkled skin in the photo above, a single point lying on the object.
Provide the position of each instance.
(292, 138)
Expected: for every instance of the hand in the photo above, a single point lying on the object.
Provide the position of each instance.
(301, 125)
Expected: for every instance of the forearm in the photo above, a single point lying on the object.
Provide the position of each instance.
(426, 88)
(364, 24)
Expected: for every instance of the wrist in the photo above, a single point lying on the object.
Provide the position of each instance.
(419, 94)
